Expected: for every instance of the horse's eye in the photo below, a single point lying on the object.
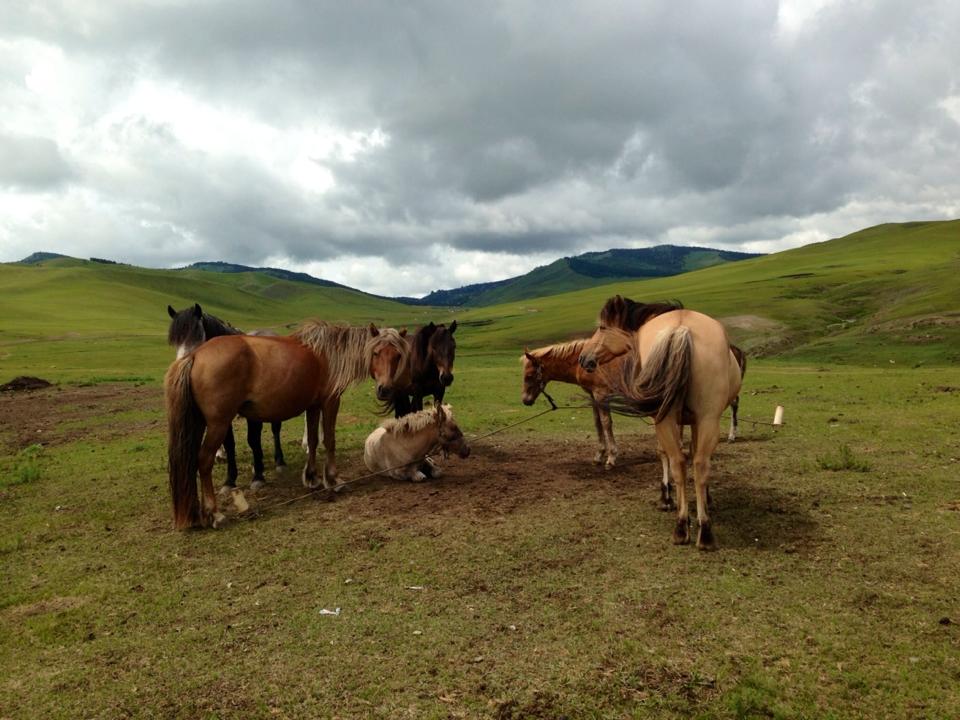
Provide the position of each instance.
(376, 353)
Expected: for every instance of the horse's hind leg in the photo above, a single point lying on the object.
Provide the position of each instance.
(668, 435)
(707, 436)
(734, 406)
(666, 501)
(278, 460)
(230, 446)
(215, 435)
(330, 409)
(312, 433)
(254, 430)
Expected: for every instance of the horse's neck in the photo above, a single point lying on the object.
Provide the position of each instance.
(563, 369)
(212, 327)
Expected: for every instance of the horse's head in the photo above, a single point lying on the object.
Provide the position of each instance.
(449, 433)
(608, 342)
(441, 350)
(533, 382)
(186, 331)
(388, 353)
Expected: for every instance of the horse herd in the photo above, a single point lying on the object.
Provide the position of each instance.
(648, 359)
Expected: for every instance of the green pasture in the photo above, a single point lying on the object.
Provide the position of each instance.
(834, 593)
(549, 587)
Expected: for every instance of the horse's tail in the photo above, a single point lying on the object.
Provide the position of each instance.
(662, 384)
(185, 426)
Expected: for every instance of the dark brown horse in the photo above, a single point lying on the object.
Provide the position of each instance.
(189, 329)
(267, 379)
(432, 354)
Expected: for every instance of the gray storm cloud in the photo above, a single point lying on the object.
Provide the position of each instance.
(518, 128)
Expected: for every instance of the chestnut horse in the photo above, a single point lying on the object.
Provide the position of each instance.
(560, 362)
(267, 379)
(190, 328)
(679, 369)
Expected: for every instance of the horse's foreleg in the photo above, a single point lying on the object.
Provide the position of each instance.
(330, 410)
(230, 446)
(707, 435)
(213, 439)
(312, 434)
(254, 430)
(305, 442)
(606, 419)
(668, 435)
(734, 406)
(278, 460)
(416, 402)
(602, 445)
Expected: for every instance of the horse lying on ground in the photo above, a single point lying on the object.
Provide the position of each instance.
(398, 446)
(673, 383)
(267, 379)
(189, 329)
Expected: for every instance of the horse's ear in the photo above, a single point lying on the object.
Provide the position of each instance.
(431, 325)
(526, 354)
(403, 332)
(171, 312)
(453, 327)
(197, 310)
(373, 330)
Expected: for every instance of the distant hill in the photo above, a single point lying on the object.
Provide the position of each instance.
(279, 273)
(39, 257)
(584, 271)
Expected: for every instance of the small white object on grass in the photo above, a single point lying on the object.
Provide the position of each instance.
(335, 612)
(778, 416)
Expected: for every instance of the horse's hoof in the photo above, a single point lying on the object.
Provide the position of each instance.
(225, 489)
(610, 464)
(219, 519)
(705, 539)
(598, 458)
(681, 533)
(418, 477)
(258, 484)
(280, 465)
(667, 505)
(309, 480)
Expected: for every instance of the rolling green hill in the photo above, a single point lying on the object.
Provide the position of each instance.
(884, 294)
(583, 271)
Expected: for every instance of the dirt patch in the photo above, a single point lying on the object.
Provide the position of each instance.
(57, 415)
(43, 607)
(23, 383)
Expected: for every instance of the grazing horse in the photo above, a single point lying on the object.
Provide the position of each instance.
(267, 379)
(398, 446)
(432, 353)
(560, 362)
(189, 329)
(679, 369)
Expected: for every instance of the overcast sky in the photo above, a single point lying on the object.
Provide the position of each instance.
(401, 147)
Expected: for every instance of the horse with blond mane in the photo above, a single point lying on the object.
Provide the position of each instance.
(679, 369)
(398, 447)
(267, 379)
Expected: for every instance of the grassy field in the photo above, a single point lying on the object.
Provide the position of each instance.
(526, 583)
(549, 587)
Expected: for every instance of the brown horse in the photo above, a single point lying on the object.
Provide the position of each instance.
(679, 369)
(267, 379)
(560, 362)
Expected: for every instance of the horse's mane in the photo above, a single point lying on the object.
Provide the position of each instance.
(560, 351)
(414, 422)
(348, 350)
(215, 327)
(627, 314)
(418, 350)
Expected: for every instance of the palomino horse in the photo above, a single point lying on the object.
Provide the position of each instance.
(560, 362)
(398, 446)
(267, 379)
(682, 370)
(189, 329)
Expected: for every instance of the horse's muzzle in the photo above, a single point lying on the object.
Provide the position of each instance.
(384, 393)
(588, 362)
(464, 451)
(446, 379)
(528, 399)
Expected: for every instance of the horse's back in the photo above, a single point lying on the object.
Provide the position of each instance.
(714, 374)
(267, 378)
